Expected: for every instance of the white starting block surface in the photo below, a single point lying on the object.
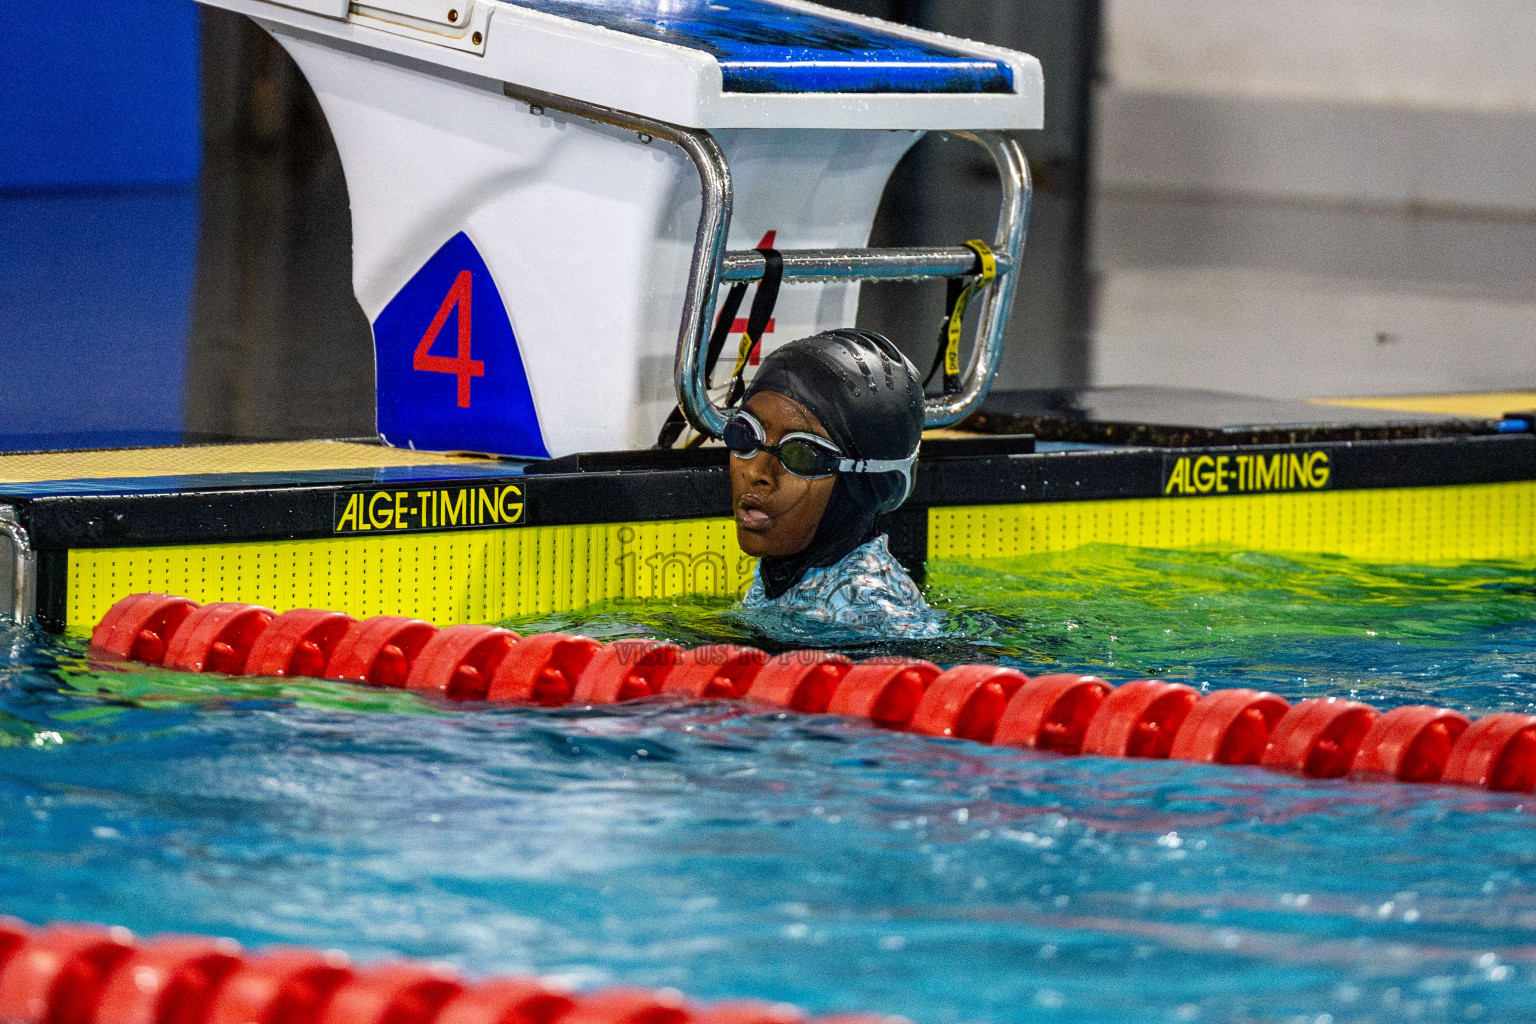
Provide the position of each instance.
(524, 270)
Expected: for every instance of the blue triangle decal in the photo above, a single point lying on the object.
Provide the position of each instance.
(450, 376)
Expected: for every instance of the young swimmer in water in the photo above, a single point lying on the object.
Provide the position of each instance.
(824, 441)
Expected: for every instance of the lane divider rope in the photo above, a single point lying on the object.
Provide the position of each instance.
(1324, 738)
(90, 974)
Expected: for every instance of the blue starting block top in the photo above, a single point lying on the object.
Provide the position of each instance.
(762, 47)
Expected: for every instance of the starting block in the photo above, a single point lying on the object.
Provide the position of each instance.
(547, 195)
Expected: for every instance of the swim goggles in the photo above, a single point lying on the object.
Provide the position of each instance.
(805, 455)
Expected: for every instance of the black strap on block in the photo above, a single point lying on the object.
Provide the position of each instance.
(958, 296)
(763, 301)
(757, 322)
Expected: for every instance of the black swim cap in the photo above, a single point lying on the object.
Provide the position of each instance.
(864, 392)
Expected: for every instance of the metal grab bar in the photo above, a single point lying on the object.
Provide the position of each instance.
(708, 266)
(997, 300)
(18, 570)
(916, 263)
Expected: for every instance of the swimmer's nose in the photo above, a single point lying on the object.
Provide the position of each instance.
(762, 469)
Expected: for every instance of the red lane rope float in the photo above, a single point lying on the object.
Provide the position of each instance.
(1410, 744)
(380, 650)
(1322, 738)
(139, 627)
(1051, 713)
(297, 643)
(967, 702)
(1228, 727)
(542, 669)
(630, 1006)
(171, 980)
(13, 935)
(718, 671)
(886, 691)
(1319, 737)
(507, 1001)
(800, 680)
(751, 1012)
(56, 976)
(280, 986)
(85, 974)
(1139, 719)
(459, 662)
(626, 670)
(1497, 752)
(397, 993)
(217, 638)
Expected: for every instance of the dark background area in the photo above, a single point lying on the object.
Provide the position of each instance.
(946, 191)
(280, 349)
(1280, 207)
(175, 243)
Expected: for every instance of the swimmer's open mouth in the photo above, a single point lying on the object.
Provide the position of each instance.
(749, 515)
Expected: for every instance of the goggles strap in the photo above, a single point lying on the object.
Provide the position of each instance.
(876, 465)
(959, 295)
(902, 466)
(761, 315)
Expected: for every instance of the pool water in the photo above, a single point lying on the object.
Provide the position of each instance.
(822, 862)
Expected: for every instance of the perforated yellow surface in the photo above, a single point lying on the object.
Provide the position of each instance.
(489, 575)
(181, 460)
(452, 577)
(1409, 525)
(1490, 406)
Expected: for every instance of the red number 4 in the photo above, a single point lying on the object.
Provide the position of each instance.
(461, 365)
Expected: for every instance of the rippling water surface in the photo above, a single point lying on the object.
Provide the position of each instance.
(733, 853)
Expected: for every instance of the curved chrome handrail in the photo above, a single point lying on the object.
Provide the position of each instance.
(23, 596)
(997, 301)
(706, 268)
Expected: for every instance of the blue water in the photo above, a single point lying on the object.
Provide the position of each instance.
(731, 853)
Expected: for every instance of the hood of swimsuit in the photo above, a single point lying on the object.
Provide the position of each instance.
(866, 394)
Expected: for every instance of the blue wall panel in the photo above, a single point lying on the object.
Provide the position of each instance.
(100, 148)
(98, 94)
(95, 301)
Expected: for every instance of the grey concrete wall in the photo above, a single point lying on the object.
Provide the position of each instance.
(1316, 197)
(1427, 102)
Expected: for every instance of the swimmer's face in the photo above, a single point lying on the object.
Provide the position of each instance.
(777, 512)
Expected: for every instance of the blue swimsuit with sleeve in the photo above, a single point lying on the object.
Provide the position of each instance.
(866, 592)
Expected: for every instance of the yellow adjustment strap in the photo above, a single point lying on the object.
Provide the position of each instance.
(988, 261)
(742, 354)
(962, 300)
